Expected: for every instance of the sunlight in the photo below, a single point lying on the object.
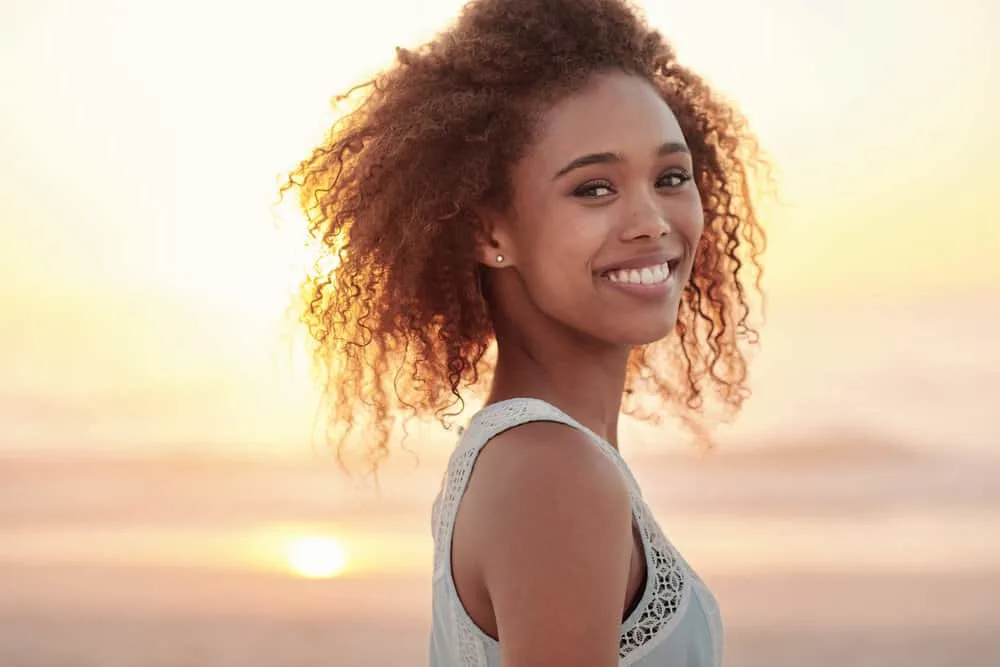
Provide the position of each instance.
(179, 268)
(317, 557)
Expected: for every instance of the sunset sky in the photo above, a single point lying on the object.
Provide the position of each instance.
(140, 145)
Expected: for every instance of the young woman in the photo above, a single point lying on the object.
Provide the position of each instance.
(543, 206)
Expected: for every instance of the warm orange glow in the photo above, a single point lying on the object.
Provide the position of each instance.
(147, 280)
(161, 201)
(163, 465)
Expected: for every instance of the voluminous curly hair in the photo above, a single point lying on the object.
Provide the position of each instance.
(394, 306)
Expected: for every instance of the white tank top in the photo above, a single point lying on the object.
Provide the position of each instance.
(676, 621)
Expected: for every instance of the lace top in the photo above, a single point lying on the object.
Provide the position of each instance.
(676, 621)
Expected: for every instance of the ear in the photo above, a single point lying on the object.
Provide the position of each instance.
(493, 242)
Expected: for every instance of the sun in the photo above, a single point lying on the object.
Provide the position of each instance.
(317, 557)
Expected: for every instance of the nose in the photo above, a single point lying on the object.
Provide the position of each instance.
(646, 220)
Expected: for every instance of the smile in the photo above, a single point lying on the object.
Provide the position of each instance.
(654, 274)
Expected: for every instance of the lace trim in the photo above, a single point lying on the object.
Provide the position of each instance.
(446, 505)
(667, 588)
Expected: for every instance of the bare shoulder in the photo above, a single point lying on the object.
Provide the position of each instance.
(548, 461)
(549, 520)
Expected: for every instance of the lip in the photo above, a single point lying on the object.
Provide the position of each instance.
(639, 261)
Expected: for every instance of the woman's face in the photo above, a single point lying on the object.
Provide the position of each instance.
(606, 215)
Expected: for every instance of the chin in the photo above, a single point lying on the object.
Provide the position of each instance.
(644, 333)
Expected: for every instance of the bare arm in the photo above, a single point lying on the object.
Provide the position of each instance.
(553, 543)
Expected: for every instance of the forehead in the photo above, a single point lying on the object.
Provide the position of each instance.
(613, 112)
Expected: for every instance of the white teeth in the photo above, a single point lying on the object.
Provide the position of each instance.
(649, 275)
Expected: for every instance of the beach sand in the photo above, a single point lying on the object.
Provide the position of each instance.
(878, 559)
(66, 617)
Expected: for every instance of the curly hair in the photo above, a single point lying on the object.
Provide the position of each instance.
(393, 306)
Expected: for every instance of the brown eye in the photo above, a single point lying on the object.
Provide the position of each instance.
(594, 190)
(674, 178)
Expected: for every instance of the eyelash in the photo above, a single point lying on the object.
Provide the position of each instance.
(681, 174)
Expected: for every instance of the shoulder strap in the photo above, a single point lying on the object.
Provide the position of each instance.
(540, 410)
(494, 419)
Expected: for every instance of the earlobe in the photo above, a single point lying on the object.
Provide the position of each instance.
(491, 248)
(488, 252)
(491, 255)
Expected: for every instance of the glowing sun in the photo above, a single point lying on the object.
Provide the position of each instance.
(317, 557)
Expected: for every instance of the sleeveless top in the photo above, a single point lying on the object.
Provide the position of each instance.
(676, 621)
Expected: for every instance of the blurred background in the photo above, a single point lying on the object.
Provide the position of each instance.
(163, 498)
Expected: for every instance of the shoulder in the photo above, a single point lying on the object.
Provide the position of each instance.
(551, 518)
(541, 475)
(546, 483)
(546, 457)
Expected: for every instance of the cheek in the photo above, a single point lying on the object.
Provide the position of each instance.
(689, 218)
(559, 267)
(567, 238)
(698, 227)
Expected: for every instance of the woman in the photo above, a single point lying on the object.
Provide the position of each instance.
(543, 206)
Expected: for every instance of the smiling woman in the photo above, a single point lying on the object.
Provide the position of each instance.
(142, 275)
(542, 206)
(422, 184)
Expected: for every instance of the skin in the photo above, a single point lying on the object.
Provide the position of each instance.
(544, 553)
(564, 333)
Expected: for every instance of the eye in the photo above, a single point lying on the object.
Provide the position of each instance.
(674, 178)
(594, 190)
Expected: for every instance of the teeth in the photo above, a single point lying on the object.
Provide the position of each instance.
(650, 275)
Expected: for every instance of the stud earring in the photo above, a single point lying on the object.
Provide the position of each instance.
(499, 259)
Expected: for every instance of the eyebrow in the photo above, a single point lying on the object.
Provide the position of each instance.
(668, 148)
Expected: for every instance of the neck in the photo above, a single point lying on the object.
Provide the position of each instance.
(584, 379)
